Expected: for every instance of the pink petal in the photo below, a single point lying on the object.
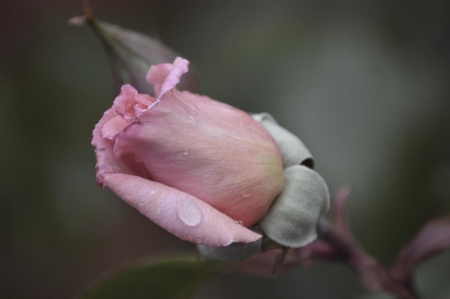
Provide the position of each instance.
(156, 76)
(179, 213)
(129, 101)
(107, 162)
(165, 77)
(213, 151)
(113, 127)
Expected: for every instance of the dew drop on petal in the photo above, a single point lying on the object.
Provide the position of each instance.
(158, 210)
(189, 212)
(152, 192)
(199, 241)
(141, 204)
(245, 193)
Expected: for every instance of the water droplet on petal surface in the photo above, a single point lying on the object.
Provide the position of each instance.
(189, 212)
(246, 193)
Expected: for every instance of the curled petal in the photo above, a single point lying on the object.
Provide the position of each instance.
(165, 77)
(292, 219)
(129, 101)
(292, 149)
(113, 127)
(107, 162)
(181, 214)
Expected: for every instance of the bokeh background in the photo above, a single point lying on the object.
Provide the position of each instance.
(365, 84)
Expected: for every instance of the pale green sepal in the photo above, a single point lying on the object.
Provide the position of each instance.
(234, 252)
(292, 219)
(293, 151)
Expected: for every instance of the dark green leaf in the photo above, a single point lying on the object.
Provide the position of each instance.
(176, 278)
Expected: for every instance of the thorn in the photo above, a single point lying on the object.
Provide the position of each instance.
(280, 259)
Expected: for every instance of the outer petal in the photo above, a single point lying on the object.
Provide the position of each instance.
(181, 214)
(213, 151)
(107, 162)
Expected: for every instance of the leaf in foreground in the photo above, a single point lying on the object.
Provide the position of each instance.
(177, 278)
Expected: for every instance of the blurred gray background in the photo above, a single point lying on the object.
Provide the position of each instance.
(365, 84)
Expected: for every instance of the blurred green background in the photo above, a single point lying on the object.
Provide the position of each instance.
(365, 84)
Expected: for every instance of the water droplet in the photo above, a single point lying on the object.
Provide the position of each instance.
(142, 204)
(158, 210)
(152, 192)
(185, 153)
(199, 241)
(189, 212)
(245, 193)
(239, 222)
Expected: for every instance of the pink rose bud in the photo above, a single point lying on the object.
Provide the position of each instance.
(201, 169)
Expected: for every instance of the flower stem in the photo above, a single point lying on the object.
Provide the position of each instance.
(372, 273)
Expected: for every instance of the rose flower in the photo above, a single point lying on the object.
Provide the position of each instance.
(201, 169)
(206, 171)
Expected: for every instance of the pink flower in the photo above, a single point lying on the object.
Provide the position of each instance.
(201, 169)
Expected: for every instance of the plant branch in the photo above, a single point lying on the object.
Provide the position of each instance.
(372, 273)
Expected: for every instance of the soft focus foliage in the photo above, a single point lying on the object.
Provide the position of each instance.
(364, 83)
(166, 278)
